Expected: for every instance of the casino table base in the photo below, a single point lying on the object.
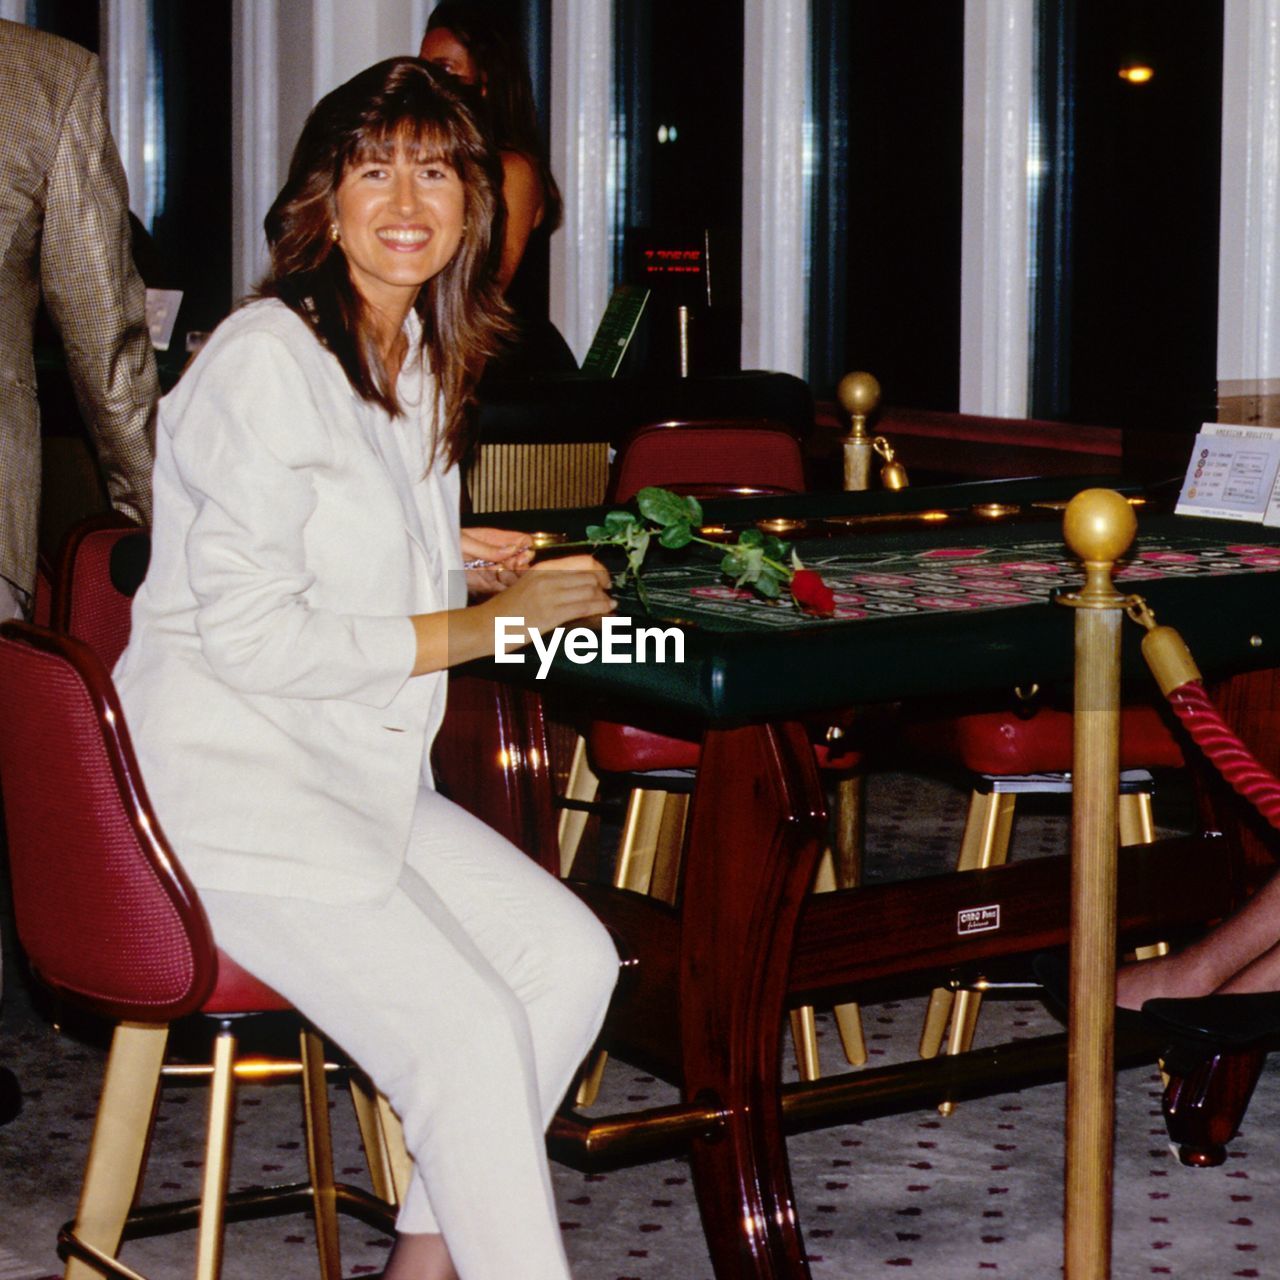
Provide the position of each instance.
(706, 983)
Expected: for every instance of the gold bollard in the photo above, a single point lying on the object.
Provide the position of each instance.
(1099, 526)
(859, 396)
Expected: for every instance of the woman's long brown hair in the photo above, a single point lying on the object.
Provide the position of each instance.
(503, 66)
(402, 101)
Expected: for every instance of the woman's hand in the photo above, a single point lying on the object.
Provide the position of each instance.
(543, 596)
(554, 592)
(502, 555)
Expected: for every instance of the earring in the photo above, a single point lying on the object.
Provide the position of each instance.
(334, 234)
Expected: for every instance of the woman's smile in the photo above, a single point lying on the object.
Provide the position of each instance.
(407, 239)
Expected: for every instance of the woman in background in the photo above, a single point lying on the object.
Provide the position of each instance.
(285, 675)
(475, 45)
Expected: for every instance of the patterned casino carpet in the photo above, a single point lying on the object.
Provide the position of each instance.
(976, 1194)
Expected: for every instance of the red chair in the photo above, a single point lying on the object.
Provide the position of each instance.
(86, 602)
(710, 458)
(111, 924)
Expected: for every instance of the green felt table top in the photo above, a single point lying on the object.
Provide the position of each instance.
(930, 606)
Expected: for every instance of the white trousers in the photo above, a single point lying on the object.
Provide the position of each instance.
(470, 998)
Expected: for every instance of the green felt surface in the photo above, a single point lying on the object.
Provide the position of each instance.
(747, 660)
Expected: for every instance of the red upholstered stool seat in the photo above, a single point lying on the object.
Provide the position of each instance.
(626, 748)
(1003, 742)
(237, 990)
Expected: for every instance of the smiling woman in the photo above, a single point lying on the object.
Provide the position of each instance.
(285, 678)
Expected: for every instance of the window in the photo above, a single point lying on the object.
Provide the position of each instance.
(1126, 175)
(886, 168)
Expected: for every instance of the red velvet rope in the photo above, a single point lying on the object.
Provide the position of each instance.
(1227, 753)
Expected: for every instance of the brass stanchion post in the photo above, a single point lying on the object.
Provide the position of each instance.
(859, 395)
(1099, 526)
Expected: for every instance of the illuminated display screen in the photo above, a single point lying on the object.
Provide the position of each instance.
(658, 261)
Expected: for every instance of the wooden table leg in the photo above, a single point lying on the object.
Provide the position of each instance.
(755, 834)
(1205, 1102)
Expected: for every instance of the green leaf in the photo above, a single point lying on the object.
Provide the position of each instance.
(665, 508)
(769, 583)
(636, 549)
(676, 536)
(751, 538)
(751, 565)
(620, 520)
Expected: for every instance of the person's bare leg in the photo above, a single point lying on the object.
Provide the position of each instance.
(1262, 974)
(1212, 962)
(419, 1257)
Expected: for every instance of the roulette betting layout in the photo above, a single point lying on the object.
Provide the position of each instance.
(894, 582)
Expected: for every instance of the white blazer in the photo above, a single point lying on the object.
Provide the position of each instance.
(266, 682)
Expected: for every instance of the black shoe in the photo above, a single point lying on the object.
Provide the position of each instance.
(1053, 972)
(1227, 1021)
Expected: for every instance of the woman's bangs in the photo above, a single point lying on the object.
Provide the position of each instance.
(425, 141)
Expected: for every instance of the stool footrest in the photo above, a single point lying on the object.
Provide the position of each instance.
(1132, 782)
(241, 1206)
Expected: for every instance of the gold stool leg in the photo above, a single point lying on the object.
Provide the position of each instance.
(848, 1016)
(365, 1105)
(397, 1154)
(582, 785)
(121, 1135)
(985, 843)
(936, 1018)
(217, 1157)
(642, 831)
(664, 882)
(315, 1107)
(1137, 826)
(804, 1030)
(804, 1035)
(846, 859)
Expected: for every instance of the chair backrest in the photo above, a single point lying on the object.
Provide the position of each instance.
(711, 458)
(42, 601)
(104, 911)
(86, 603)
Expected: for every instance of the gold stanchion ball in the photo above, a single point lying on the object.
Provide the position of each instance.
(859, 394)
(1099, 524)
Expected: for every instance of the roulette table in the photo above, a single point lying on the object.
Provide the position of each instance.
(938, 591)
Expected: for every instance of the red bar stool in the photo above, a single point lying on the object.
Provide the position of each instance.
(111, 924)
(1012, 754)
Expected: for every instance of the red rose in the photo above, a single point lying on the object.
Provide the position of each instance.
(811, 594)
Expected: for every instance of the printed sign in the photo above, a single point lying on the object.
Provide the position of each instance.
(977, 920)
(1232, 474)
